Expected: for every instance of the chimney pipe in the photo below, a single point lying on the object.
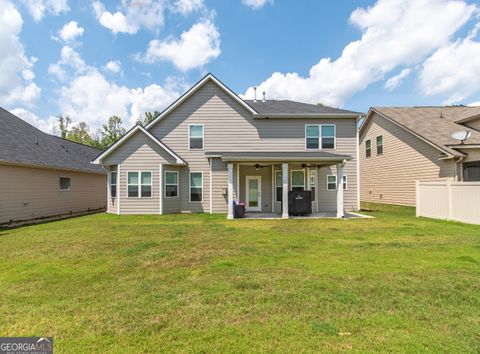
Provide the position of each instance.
(255, 94)
(263, 96)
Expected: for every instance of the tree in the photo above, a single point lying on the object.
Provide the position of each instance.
(112, 131)
(63, 123)
(80, 134)
(149, 116)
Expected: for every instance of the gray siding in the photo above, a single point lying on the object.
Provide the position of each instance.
(29, 193)
(390, 178)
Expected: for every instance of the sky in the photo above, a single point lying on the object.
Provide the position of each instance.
(94, 59)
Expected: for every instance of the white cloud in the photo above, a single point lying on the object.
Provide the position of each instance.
(256, 4)
(394, 33)
(195, 47)
(16, 85)
(47, 125)
(187, 6)
(452, 71)
(396, 80)
(70, 31)
(69, 59)
(131, 16)
(38, 8)
(114, 66)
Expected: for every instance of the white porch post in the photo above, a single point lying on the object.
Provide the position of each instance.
(340, 207)
(285, 191)
(118, 189)
(160, 189)
(230, 191)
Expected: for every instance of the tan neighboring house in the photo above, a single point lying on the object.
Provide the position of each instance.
(43, 175)
(399, 145)
(211, 148)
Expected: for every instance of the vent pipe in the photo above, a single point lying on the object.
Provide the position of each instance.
(255, 94)
(263, 96)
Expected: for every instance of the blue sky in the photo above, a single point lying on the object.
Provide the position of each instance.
(93, 59)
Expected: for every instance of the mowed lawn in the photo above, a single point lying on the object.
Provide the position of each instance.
(199, 283)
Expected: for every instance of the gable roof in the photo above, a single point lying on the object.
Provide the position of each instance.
(23, 144)
(193, 89)
(435, 125)
(136, 128)
(292, 109)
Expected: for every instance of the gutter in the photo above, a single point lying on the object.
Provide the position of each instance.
(305, 115)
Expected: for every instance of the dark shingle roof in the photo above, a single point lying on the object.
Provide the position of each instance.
(292, 107)
(22, 143)
(279, 155)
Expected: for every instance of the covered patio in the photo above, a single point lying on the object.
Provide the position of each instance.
(263, 180)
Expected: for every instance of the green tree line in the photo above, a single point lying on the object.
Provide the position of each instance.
(106, 136)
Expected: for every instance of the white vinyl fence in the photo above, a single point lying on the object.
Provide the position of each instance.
(449, 200)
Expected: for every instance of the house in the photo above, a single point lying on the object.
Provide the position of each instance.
(399, 145)
(210, 147)
(43, 175)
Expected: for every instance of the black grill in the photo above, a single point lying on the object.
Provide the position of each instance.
(299, 203)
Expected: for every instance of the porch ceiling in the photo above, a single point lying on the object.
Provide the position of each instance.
(300, 156)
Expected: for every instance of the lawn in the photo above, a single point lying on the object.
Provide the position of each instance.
(199, 283)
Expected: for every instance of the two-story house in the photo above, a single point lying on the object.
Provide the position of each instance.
(211, 148)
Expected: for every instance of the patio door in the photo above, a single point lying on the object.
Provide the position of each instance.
(254, 193)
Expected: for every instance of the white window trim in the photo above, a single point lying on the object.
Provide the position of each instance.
(281, 185)
(320, 136)
(165, 184)
(345, 182)
(190, 187)
(64, 190)
(110, 184)
(203, 136)
(291, 179)
(139, 190)
(376, 145)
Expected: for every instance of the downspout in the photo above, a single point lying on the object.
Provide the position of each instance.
(457, 174)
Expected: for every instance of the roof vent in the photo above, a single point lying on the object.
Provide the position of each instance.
(441, 115)
(263, 93)
(255, 94)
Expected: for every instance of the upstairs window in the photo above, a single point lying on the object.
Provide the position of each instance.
(65, 183)
(368, 148)
(171, 184)
(320, 136)
(195, 137)
(139, 184)
(380, 145)
(298, 180)
(113, 184)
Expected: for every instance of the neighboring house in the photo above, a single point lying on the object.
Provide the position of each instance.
(43, 175)
(210, 148)
(401, 145)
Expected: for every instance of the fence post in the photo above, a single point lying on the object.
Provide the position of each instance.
(417, 198)
(449, 199)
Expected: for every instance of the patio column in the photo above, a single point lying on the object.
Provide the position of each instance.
(340, 206)
(285, 191)
(230, 191)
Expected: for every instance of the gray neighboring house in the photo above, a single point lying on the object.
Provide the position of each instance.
(43, 175)
(399, 145)
(210, 148)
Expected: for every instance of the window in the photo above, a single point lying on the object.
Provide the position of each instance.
(139, 184)
(171, 184)
(332, 182)
(368, 148)
(298, 180)
(113, 184)
(313, 182)
(278, 186)
(379, 145)
(195, 137)
(320, 136)
(65, 184)
(196, 186)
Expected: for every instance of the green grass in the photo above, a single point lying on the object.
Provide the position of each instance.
(199, 283)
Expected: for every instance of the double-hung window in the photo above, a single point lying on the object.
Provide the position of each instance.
(195, 136)
(368, 148)
(278, 185)
(332, 182)
(139, 184)
(320, 136)
(171, 184)
(113, 184)
(380, 145)
(196, 186)
(298, 180)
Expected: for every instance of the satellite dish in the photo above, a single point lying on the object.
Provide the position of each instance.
(461, 136)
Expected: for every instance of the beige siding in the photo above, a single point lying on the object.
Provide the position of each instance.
(28, 193)
(475, 124)
(229, 127)
(173, 204)
(219, 185)
(390, 178)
